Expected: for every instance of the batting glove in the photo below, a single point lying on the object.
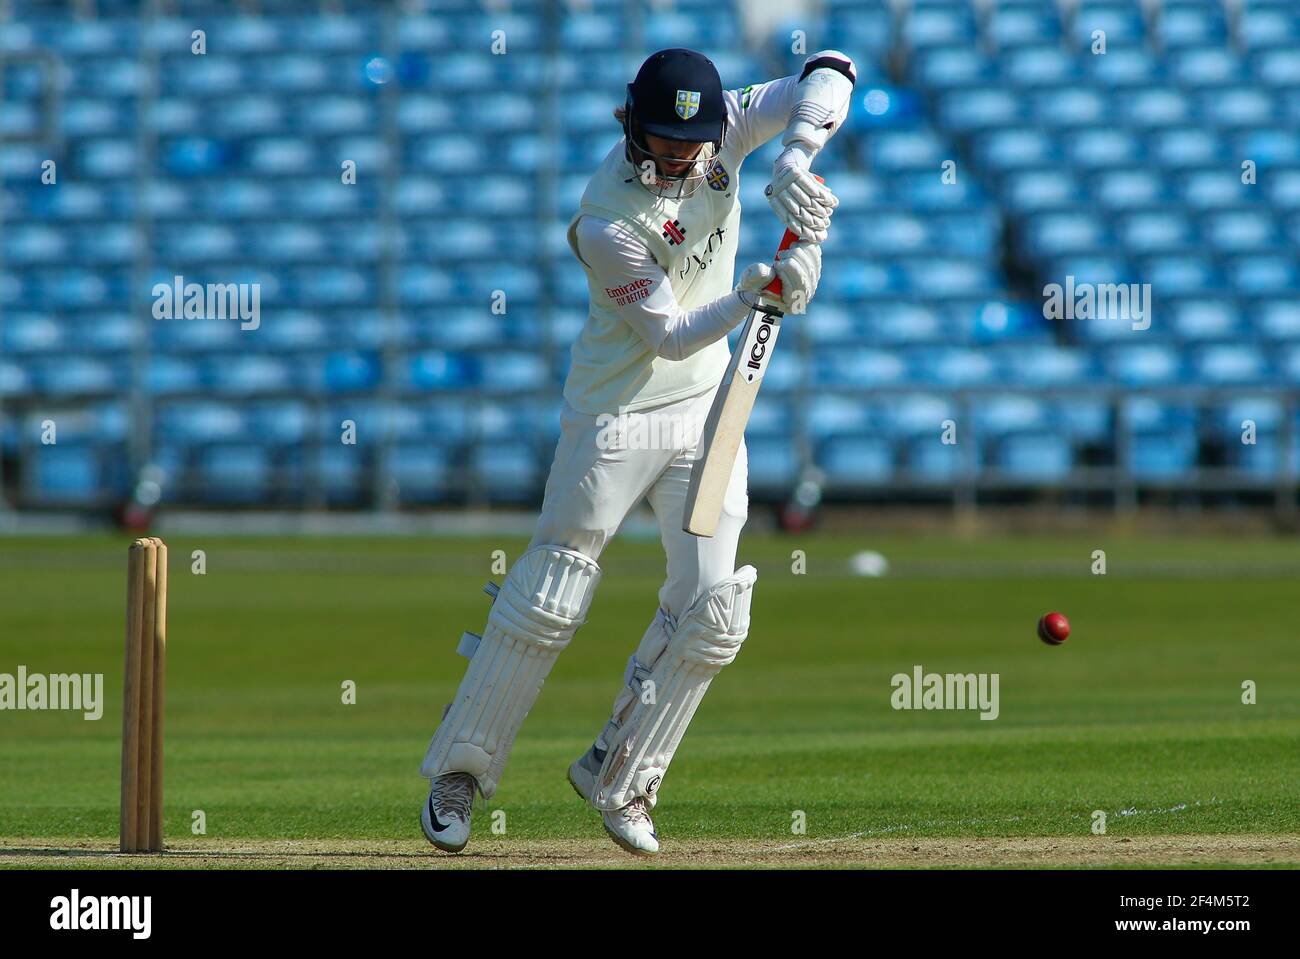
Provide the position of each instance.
(796, 197)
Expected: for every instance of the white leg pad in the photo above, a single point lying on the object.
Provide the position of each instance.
(542, 602)
(708, 637)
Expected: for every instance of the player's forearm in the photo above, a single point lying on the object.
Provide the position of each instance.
(693, 330)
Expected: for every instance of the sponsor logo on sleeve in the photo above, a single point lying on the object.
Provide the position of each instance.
(629, 292)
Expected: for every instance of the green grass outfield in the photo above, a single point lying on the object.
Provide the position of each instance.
(1139, 714)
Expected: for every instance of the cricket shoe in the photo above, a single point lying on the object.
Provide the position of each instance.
(584, 770)
(631, 827)
(445, 818)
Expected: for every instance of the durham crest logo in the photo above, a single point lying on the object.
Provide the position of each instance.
(718, 178)
(688, 103)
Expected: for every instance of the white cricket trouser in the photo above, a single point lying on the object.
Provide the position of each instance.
(595, 483)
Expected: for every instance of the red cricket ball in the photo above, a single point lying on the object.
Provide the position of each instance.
(1053, 629)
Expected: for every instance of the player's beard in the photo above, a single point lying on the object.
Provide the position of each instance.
(671, 187)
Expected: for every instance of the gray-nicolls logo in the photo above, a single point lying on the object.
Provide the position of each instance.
(76, 912)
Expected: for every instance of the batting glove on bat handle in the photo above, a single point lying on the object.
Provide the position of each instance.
(787, 239)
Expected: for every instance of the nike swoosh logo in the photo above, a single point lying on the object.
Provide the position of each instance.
(438, 826)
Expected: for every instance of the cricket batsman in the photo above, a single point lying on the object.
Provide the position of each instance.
(656, 233)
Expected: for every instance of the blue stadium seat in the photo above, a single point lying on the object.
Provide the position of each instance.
(1059, 233)
(65, 474)
(1134, 365)
(1276, 68)
(894, 322)
(1128, 189)
(1035, 458)
(109, 333)
(859, 279)
(248, 375)
(1069, 106)
(1121, 22)
(108, 158)
(1226, 420)
(506, 472)
(287, 73)
(1190, 24)
(1239, 106)
(1104, 148)
(1155, 107)
(196, 335)
(905, 149)
(1157, 230)
(976, 108)
(1184, 147)
(194, 422)
(341, 471)
(835, 415)
(1014, 25)
(1165, 456)
(1230, 364)
(1211, 66)
(1200, 318)
(928, 25)
(333, 114)
(1085, 421)
(1209, 189)
(1269, 146)
(1182, 275)
(1023, 191)
(952, 366)
(79, 376)
(14, 379)
(235, 474)
(246, 34)
(1123, 67)
(932, 461)
(1279, 318)
(1263, 458)
(281, 421)
(1234, 232)
(1045, 365)
(773, 463)
(439, 370)
(947, 67)
(343, 372)
(855, 460)
(1283, 188)
(31, 333)
(998, 415)
(106, 243)
(1264, 275)
(862, 26)
(512, 371)
(1011, 148)
(1269, 26)
(172, 374)
(1146, 414)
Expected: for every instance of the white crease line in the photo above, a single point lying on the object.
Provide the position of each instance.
(1132, 811)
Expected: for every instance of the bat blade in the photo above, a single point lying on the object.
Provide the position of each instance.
(725, 426)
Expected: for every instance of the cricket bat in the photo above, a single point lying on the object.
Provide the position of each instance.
(725, 426)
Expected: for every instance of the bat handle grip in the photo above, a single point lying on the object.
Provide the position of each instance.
(789, 238)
